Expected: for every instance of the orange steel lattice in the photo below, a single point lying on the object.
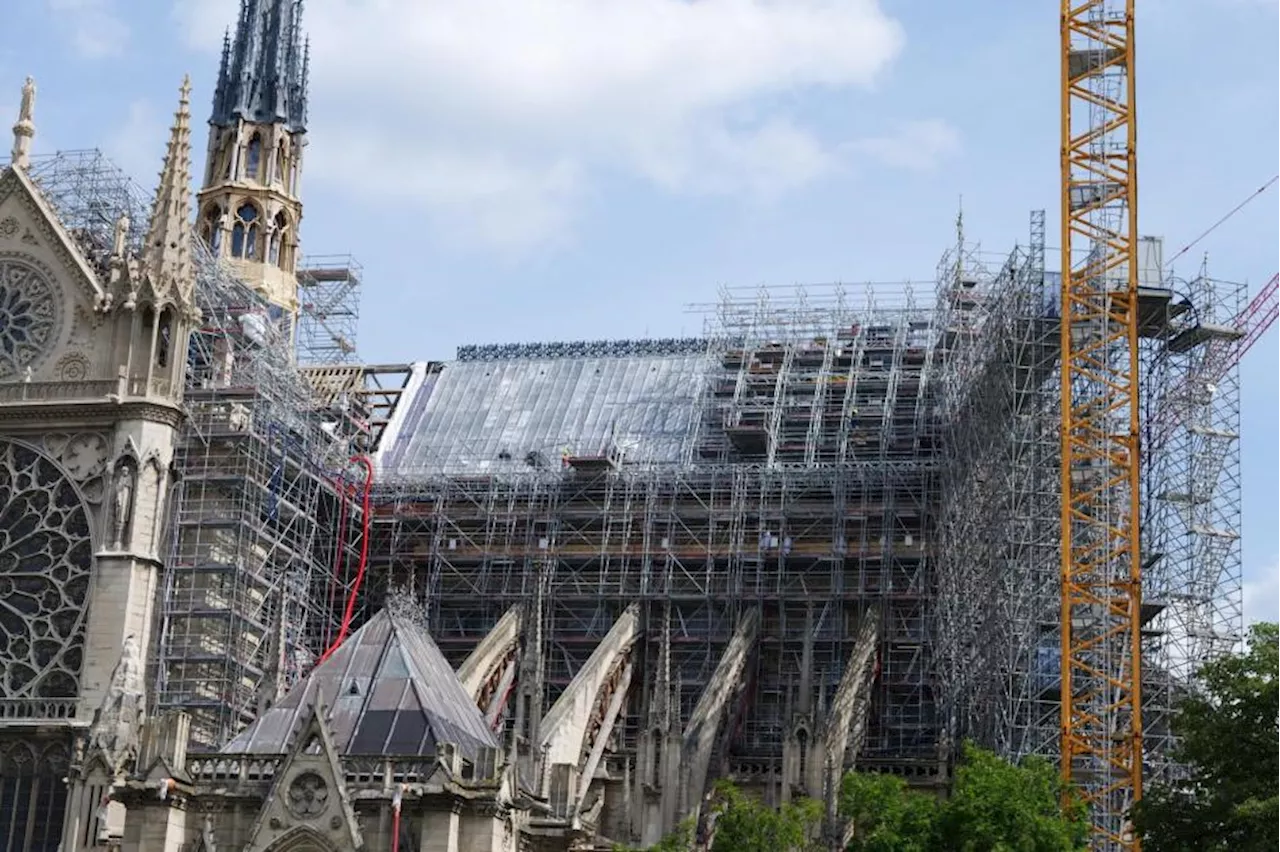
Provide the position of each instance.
(1101, 567)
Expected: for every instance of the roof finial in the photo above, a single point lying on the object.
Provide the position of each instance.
(25, 128)
(166, 253)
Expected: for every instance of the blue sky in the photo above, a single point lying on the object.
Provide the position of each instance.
(559, 169)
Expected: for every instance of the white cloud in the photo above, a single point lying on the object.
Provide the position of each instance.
(137, 144)
(1262, 595)
(496, 116)
(95, 26)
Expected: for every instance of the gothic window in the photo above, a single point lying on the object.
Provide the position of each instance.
(211, 227)
(253, 158)
(278, 251)
(33, 795)
(28, 316)
(45, 558)
(244, 233)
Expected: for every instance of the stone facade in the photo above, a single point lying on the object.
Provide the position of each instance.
(92, 356)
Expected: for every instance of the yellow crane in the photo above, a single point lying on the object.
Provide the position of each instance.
(1101, 701)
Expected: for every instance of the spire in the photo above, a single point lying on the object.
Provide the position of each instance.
(25, 128)
(263, 74)
(166, 252)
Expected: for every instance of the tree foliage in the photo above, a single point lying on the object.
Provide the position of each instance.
(994, 807)
(998, 807)
(886, 816)
(747, 825)
(1228, 738)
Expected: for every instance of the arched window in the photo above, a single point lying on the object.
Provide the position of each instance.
(244, 233)
(278, 249)
(253, 158)
(211, 227)
(34, 795)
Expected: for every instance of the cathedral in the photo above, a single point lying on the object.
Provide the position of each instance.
(382, 745)
(188, 664)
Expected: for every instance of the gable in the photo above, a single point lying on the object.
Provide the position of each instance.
(308, 802)
(38, 226)
(48, 290)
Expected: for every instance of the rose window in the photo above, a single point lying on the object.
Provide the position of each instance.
(45, 558)
(28, 316)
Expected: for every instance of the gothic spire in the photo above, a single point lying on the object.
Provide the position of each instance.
(263, 77)
(166, 253)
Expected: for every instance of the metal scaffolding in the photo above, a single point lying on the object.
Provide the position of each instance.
(819, 451)
(328, 309)
(999, 537)
(786, 460)
(265, 529)
(998, 541)
(266, 532)
(1193, 586)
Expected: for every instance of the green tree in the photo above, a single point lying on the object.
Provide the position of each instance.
(994, 807)
(1228, 738)
(998, 807)
(747, 825)
(886, 816)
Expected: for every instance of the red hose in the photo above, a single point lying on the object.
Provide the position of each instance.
(344, 497)
(364, 557)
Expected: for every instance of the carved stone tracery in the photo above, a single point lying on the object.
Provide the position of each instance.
(30, 315)
(45, 558)
(308, 795)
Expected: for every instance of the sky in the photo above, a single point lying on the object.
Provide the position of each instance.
(518, 170)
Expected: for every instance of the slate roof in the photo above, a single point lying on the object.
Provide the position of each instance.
(389, 691)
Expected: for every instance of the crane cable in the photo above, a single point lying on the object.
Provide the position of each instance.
(1215, 225)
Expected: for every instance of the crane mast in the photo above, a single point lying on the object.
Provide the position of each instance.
(1101, 569)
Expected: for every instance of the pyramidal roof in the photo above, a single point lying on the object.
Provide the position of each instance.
(388, 691)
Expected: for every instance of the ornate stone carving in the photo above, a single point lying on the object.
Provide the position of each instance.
(8, 227)
(72, 367)
(207, 841)
(45, 558)
(308, 796)
(30, 314)
(85, 456)
(117, 723)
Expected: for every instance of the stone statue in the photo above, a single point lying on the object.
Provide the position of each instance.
(126, 476)
(118, 721)
(207, 842)
(121, 236)
(26, 112)
(25, 128)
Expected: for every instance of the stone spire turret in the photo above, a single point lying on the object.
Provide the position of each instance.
(166, 253)
(25, 128)
(250, 206)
